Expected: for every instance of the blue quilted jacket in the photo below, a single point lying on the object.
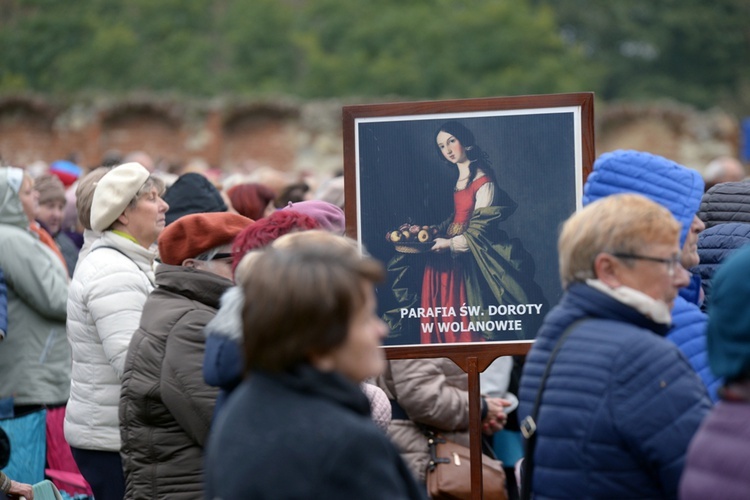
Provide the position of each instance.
(620, 407)
(679, 189)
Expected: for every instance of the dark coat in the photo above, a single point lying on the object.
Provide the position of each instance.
(165, 406)
(715, 244)
(726, 202)
(620, 405)
(302, 434)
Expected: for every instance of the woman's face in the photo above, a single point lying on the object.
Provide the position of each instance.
(146, 220)
(658, 280)
(360, 356)
(29, 198)
(451, 148)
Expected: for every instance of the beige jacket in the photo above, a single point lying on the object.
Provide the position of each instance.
(433, 392)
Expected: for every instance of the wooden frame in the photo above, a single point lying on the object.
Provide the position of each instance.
(415, 124)
(548, 140)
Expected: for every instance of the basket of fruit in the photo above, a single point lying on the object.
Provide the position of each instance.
(412, 238)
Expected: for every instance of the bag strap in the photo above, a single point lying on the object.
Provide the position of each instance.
(123, 254)
(432, 441)
(528, 425)
(112, 248)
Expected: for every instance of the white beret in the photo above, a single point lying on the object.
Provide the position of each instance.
(114, 192)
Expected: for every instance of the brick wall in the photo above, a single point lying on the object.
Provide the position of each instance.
(294, 136)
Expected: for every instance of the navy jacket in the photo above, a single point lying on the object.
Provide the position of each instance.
(680, 190)
(620, 406)
(302, 434)
(726, 202)
(715, 244)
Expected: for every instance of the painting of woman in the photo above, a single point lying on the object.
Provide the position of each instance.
(473, 271)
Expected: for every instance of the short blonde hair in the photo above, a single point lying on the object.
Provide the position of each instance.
(621, 223)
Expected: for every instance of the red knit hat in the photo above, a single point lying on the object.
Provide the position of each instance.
(251, 199)
(193, 234)
(265, 231)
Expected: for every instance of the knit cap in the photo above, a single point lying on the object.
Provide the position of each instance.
(192, 193)
(328, 216)
(67, 171)
(50, 188)
(250, 199)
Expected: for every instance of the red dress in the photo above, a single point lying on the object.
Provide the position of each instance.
(443, 285)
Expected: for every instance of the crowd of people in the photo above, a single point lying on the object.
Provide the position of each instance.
(188, 336)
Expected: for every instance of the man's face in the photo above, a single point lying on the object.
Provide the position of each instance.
(690, 256)
(51, 214)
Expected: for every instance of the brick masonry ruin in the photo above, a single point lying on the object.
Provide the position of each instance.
(295, 136)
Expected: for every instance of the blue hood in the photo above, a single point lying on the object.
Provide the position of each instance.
(664, 181)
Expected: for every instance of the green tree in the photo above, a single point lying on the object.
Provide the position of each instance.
(435, 49)
(690, 50)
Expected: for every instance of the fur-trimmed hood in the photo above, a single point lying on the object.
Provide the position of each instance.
(228, 321)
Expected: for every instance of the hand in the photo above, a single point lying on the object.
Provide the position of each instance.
(496, 418)
(441, 245)
(18, 490)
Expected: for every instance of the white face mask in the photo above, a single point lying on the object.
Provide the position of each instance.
(657, 310)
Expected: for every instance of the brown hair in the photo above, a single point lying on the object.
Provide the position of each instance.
(622, 223)
(300, 297)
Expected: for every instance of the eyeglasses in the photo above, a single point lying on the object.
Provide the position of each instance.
(671, 262)
(220, 256)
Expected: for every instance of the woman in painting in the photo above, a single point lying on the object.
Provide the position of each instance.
(472, 264)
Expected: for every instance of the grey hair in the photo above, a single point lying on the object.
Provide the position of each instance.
(151, 183)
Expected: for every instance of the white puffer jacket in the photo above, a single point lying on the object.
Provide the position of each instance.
(106, 298)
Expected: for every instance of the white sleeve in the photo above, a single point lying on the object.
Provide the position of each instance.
(495, 379)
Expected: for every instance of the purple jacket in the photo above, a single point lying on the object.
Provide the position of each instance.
(718, 459)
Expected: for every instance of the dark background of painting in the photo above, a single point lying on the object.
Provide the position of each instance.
(403, 178)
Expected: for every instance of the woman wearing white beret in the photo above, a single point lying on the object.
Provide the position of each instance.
(107, 294)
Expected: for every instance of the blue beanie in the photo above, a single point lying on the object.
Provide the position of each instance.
(729, 317)
(664, 181)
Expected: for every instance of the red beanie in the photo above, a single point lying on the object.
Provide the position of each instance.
(191, 235)
(251, 199)
(265, 231)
